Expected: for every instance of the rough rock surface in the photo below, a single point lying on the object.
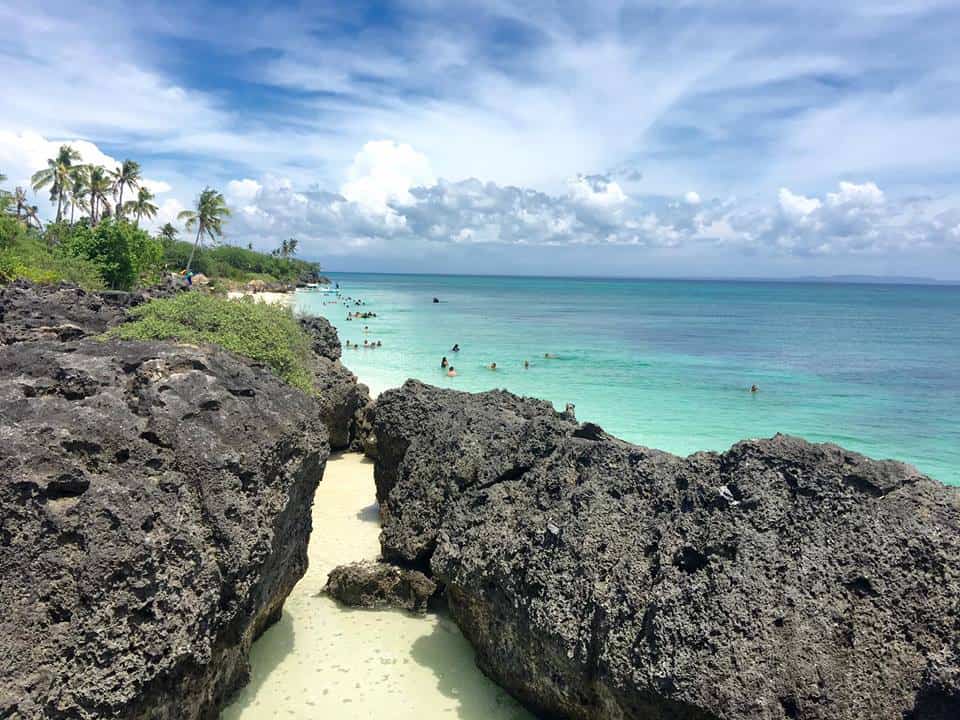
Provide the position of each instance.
(598, 579)
(340, 398)
(154, 515)
(326, 343)
(59, 312)
(483, 439)
(378, 585)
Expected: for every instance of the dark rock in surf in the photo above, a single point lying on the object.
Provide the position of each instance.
(154, 514)
(598, 579)
(378, 585)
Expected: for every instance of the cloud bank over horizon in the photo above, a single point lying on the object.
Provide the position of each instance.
(626, 138)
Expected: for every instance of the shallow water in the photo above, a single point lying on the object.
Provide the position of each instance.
(324, 661)
(669, 364)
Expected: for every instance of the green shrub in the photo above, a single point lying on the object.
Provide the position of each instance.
(234, 263)
(122, 252)
(24, 255)
(268, 334)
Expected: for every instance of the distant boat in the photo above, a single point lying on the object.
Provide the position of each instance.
(325, 289)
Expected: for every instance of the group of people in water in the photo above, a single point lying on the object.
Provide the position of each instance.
(366, 344)
(451, 371)
(360, 315)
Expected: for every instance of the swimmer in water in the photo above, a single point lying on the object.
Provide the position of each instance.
(455, 348)
(493, 366)
(754, 388)
(444, 363)
(451, 372)
(549, 356)
(526, 364)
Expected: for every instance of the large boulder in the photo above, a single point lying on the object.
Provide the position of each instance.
(326, 342)
(432, 444)
(340, 400)
(598, 579)
(376, 585)
(154, 514)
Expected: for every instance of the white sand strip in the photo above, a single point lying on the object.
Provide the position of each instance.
(324, 661)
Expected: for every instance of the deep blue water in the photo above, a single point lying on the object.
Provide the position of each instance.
(669, 363)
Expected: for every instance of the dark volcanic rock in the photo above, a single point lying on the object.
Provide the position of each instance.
(341, 398)
(55, 312)
(598, 579)
(378, 585)
(154, 515)
(482, 439)
(326, 343)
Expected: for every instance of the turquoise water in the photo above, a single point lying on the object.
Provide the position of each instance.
(669, 364)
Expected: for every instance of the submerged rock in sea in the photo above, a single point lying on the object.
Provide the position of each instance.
(378, 585)
(599, 579)
(154, 515)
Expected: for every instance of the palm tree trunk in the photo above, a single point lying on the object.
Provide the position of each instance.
(195, 244)
(73, 205)
(59, 201)
(120, 203)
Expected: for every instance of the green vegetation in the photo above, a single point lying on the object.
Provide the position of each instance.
(24, 255)
(121, 252)
(95, 225)
(264, 333)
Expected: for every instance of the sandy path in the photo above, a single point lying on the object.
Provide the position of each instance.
(324, 661)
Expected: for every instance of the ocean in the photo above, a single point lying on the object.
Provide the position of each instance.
(670, 363)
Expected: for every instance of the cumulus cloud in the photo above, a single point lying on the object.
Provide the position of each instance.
(857, 218)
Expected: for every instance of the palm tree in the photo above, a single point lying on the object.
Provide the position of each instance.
(168, 233)
(56, 175)
(141, 207)
(78, 189)
(292, 244)
(99, 188)
(125, 176)
(208, 217)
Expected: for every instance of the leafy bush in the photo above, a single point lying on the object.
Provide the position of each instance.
(235, 263)
(265, 333)
(122, 252)
(24, 255)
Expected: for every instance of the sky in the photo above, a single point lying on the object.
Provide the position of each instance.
(691, 138)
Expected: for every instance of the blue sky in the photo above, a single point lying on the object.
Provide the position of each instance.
(692, 138)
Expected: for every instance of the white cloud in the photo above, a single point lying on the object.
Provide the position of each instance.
(597, 191)
(797, 207)
(691, 198)
(383, 172)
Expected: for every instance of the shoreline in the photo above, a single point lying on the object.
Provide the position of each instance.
(269, 297)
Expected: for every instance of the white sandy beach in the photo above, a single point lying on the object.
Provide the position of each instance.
(324, 661)
(272, 298)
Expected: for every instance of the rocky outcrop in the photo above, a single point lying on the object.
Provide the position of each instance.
(375, 585)
(59, 312)
(326, 343)
(598, 579)
(154, 515)
(483, 439)
(341, 397)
